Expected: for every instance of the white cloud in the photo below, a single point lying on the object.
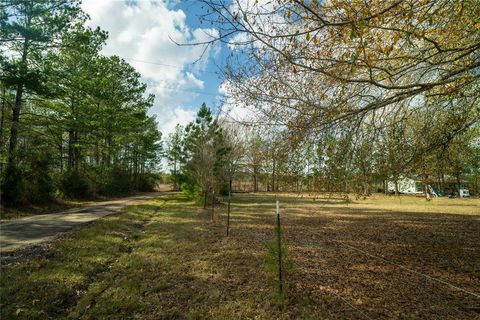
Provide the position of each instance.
(177, 116)
(140, 32)
(235, 109)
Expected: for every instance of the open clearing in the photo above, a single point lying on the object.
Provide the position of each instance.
(164, 259)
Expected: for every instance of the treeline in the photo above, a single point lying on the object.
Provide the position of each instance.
(203, 157)
(74, 122)
(358, 160)
(348, 95)
(212, 156)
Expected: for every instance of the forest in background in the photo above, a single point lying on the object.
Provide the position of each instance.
(74, 122)
(341, 96)
(214, 156)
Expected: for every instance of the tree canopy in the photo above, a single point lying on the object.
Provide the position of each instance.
(76, 120)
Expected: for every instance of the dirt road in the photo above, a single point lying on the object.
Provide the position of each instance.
(34, 230)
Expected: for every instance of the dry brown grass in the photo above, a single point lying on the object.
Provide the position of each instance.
(439, 238)
(166, 260)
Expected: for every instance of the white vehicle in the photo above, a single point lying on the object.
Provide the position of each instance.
(464, 193)
(405, 185)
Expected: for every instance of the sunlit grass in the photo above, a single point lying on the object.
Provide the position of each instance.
(165, 259)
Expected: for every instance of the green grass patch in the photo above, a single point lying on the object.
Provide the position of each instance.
(161, 259)
(49, 286)
(165, 259)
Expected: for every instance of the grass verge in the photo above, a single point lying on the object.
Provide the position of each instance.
(164, 259)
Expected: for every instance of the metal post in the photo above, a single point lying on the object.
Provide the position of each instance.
(213, 205)
(228, 212)
(279, 242)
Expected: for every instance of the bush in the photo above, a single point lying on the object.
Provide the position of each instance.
(224, 187)
(76, 185)
(31, 184)
(41, 185)
(148, 182)
(116, 182)
(12, 187)
(193, 192)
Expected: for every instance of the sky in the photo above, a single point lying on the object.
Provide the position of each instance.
(181, 77)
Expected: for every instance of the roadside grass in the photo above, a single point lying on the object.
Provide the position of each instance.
(48, 286)
(55, 206)
(156, 260)
(165, 259)
(51, 207)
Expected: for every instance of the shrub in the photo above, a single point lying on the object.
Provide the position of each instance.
(41, 185)
(27, 184)
(12, 187)
(76, 185)
(117, 182)
(147, 182)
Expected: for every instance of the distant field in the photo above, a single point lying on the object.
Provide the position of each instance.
(404, 203)
(379, 258)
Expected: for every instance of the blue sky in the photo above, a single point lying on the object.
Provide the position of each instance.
(139, 32)
(193, 9)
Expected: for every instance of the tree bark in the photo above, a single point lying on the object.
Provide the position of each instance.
(12, 150)
(213, 205)
(76, 151)
(175, 173)
(71, 152)
(2, 120)
(61, 152)
(255, 183)
(228, 207)
(273, 175)
(108, 141)
(14, 128)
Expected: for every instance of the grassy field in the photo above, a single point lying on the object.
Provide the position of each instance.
(165, 259)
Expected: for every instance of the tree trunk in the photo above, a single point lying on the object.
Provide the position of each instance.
(459, 185)
(71, 152)
(228, 209)
(12, 150)
(442, 181)
(14, 127)
(61, 152)
(76, 152)
(213, 205)
(255, 183)
(97, 154)
(175, 173)
(2, 120)
(108, 159)
(273, 175)
(135, 168)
